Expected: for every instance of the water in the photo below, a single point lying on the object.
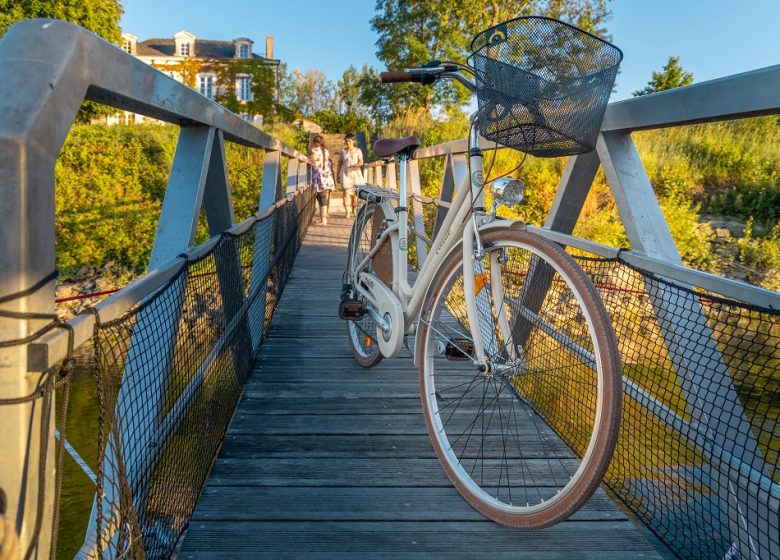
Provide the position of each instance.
(82, 432)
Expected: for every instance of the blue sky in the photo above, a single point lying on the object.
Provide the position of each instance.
(713, 38)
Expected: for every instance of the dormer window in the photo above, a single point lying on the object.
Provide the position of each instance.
(242, 47)
(129, 42)
(185, 44)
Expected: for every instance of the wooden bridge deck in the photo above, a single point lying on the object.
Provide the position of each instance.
(325, 459)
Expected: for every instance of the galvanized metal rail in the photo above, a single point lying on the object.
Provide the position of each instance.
(51, 67)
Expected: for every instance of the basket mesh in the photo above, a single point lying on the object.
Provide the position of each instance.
(542, 85)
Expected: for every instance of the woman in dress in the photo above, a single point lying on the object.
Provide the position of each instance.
(322, 176)
(350, 172)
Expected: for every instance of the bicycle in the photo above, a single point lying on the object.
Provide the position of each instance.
(515, 349)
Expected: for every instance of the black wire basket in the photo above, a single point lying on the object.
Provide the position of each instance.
(542, 85)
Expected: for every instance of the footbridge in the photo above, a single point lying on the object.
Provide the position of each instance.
(225, 416)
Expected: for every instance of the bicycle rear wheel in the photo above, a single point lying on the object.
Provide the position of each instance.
(527, 440)
(362, 333)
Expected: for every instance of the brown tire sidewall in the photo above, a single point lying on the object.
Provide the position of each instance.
(606, 439)
(376, 356)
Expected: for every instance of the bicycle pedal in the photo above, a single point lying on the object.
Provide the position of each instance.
(459, 350)
(352, 310)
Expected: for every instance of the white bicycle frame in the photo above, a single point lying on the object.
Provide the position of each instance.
(457, 226)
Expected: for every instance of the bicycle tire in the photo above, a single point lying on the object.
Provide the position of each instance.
(553, 457)
(362, 334)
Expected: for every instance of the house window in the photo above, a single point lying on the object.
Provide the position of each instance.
(184, 49)
(127, 47)
(207, 86)
(243, 51)
(245, 88)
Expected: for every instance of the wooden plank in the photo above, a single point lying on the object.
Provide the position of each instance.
(376, 424)
(333, 389)
(365, 504)
(603, 540)
(426, 472)
(330, 405)
(411, 446)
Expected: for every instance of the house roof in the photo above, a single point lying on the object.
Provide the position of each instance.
(204, 48)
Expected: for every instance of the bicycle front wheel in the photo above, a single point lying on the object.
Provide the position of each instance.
(527, 437)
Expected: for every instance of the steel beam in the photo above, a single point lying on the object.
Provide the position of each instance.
(292, 176)
(749, 94)
(264, 242)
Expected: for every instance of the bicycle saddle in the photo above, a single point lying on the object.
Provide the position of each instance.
(387, 147)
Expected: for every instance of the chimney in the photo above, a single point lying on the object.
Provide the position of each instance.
(269, 46)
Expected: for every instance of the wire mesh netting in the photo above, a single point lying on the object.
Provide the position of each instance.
(698, 455)
(170, 374)
(698, 459)
(542, 85)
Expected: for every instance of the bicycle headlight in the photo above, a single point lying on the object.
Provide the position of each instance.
(507, 191)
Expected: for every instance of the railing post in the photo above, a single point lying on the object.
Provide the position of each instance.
(417, 209)
(292, 176)
(378, 175)
(455, 170)
(38, 101)
(263, 249)
(572, 191)
(700, 380)
(392, 183)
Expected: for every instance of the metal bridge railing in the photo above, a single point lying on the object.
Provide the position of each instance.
(172, 348)
(699, 453)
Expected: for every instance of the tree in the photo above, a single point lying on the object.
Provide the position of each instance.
(412, 33)
(100, 16)
(262, 80)
(671, 76)
(307, 92)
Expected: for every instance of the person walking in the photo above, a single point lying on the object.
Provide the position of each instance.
(322, 176)
(350, 172)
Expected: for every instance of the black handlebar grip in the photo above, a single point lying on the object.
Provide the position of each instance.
(391, 77)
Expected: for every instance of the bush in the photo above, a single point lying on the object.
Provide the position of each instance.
(110, 183)
(762, 256)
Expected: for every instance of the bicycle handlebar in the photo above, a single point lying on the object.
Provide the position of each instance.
(392, 77)
(427, 75)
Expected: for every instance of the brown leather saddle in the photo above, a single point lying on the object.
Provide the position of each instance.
(388, 147)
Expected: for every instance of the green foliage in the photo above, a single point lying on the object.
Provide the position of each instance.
(306, 93)
(412, 33)
(110, 182)
(691, 237)
(762, 256)
(263, 84)
(294, 137)
(100, 16)
(731, 168)
(672, 76)
(109, 186)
